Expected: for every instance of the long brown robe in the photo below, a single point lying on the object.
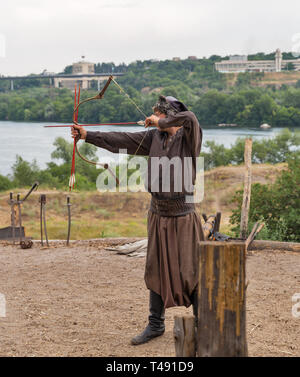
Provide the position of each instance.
(172, 257)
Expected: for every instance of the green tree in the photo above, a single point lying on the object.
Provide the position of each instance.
(5, 183)
(278, 204)
(24, 173)
(278, 149)
(217, 155)
(3, 110)
(290, 67)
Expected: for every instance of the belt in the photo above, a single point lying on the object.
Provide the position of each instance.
(171, 207)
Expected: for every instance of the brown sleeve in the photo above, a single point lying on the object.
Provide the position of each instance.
(192, 129)
(114, 141)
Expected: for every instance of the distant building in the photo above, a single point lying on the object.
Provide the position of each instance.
(238, 58)
(176, 59)
(240, 63)
(86, 74)
(278, 60)
(192, 57)
(83, 67)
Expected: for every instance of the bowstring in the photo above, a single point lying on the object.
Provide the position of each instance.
(137, 107)
(130, 99)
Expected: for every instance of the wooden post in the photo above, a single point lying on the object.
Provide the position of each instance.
(254, 232)
(221, 299)
(247, 189)
(184, 336)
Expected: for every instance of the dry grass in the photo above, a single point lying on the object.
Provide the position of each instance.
(97, 214)
(269, 78)
(282, 77)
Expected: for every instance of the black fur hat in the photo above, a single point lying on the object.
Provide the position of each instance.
(169, 105)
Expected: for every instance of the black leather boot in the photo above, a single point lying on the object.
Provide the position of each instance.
(156, 325)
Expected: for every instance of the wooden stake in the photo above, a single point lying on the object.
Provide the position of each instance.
(221, 301)
(255, 230)
(247, 189)
(184, 336)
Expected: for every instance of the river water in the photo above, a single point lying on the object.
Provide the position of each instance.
(33, 141)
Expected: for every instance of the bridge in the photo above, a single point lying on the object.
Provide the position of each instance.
(66, 80)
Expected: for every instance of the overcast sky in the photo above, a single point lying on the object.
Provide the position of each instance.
(50, 34)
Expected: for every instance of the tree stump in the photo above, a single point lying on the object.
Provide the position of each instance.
(221, 299)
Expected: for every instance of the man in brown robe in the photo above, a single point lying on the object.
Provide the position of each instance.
(171, 271)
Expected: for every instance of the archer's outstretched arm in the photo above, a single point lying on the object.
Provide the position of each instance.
(135, 142)
(113, 141)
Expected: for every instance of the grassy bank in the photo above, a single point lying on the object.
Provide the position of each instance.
(97, 214)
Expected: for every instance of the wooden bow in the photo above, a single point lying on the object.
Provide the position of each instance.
(77, 138)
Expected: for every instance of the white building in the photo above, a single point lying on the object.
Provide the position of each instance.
(240, 63)
(83, 74)
(83, 68)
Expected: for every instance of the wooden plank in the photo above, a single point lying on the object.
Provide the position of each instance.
(247, 189)
(222, 301)
(274, 245)
(184, 336)
(218, 222)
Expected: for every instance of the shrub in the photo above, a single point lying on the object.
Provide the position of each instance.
(5, 183)
(278, 205)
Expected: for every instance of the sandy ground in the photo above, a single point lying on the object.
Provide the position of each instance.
(85, 301)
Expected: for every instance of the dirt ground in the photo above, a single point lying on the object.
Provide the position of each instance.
(85, 301)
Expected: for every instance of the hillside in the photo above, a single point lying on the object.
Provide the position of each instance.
(266, 79)
(279, 78)
(97, 215)
(248, 99)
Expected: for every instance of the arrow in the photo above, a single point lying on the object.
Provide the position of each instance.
(140, 123)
